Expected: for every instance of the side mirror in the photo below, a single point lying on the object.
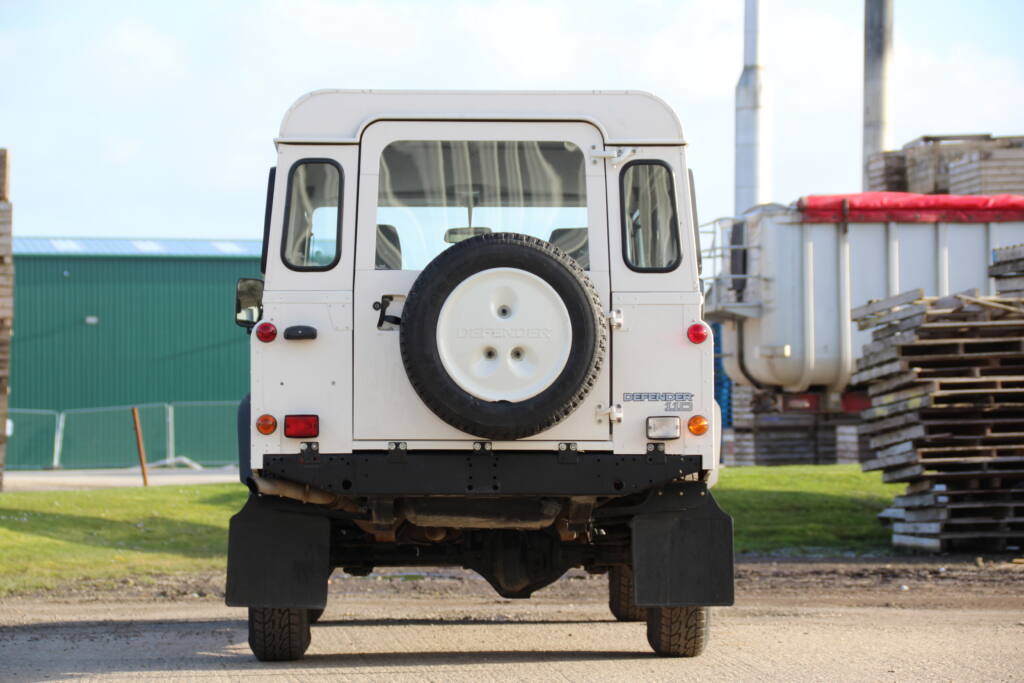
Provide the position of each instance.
(248, 302)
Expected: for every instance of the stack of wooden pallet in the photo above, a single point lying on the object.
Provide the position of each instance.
(6, 303)
(1008, 271)
(946, 380)
(767, 430)
(887, 172)
(956, 164)
(994, 171)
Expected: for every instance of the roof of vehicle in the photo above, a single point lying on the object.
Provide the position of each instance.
(623, 116)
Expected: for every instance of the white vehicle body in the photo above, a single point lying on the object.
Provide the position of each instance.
(479, 343)
(350, 375)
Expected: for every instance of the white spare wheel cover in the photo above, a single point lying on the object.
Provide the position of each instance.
(504, 334)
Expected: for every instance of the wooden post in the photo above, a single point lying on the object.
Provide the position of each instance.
(141, 446)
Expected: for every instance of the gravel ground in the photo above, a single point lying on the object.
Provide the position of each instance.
(810, 620)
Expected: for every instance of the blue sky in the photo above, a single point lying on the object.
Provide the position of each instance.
(155, 119)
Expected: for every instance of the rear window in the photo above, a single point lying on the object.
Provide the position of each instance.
(434, 193)
(312, 226)
(650, 230)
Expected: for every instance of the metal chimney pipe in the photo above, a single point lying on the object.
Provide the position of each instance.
(877, 50)
(753, 169)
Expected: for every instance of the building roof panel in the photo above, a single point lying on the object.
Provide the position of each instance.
(109, 246)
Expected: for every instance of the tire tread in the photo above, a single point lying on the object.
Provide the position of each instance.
(278, 634)
(678, 631)
(620, 595)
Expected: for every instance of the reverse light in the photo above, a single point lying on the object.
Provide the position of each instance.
(698, 333)
(698, 425)
(266, 332)
(266, 424)
(663, 428)
(301, 426)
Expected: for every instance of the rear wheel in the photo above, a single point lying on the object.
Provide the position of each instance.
(678, 631)
(278, 634)
(620, 595)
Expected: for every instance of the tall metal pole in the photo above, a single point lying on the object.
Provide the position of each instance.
(877, 51)
(753, 162)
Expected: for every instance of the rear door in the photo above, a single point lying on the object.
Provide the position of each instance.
(417, 181)
(657, 371)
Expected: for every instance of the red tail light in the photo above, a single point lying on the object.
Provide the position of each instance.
(698, 333)
(266, 332)
(301, 426)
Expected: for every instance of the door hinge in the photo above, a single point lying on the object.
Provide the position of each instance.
(612, 412)
(615, 319)
(614, 156)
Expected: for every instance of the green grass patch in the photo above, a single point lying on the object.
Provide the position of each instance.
(51, 537)
(806, 508)
(48, 538)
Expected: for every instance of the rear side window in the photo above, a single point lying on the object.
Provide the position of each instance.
(650, 228)
(312, 227)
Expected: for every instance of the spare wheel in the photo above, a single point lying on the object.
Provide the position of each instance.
(502, 336)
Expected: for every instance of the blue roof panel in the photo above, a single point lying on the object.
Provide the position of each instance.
(93, 246)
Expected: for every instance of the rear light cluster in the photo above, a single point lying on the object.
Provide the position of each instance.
(698, 333)
(266, 424)
(295, 426)
(698, 425)
(266, 332)
(301, 426)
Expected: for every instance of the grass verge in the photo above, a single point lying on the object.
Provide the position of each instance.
(48, 538)
(806, 508)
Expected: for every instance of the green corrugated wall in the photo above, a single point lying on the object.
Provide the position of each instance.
(165, 333)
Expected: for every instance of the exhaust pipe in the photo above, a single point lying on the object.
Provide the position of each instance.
(304, 493)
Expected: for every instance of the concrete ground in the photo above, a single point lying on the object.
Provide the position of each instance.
(57, 480)
(793, 621)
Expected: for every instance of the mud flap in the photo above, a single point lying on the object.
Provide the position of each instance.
(682, 549)
(277, 557)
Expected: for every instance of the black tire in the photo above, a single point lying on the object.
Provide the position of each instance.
(678, 631)
(278, 634)
(315, 614)
(620, 595)
(502, 420)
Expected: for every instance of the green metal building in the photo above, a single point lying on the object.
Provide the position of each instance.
(105, 324)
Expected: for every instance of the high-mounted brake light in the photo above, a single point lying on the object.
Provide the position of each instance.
(266, 424)
(698, 333)
(266, 332)
(301, 426)
(698, 425)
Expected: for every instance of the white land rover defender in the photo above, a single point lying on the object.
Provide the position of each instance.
(479, 343)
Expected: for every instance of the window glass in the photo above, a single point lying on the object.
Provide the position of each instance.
(312, 225)
(434, 193)
(650, 235)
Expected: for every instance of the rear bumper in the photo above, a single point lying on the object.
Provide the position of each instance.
(402, 473)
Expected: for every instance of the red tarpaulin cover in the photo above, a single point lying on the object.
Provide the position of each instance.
(906, 207)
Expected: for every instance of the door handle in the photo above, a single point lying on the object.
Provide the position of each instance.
(382, 306)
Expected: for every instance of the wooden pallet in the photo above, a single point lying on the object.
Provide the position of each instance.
(946, 381)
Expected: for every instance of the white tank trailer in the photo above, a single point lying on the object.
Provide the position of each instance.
(790, 275)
